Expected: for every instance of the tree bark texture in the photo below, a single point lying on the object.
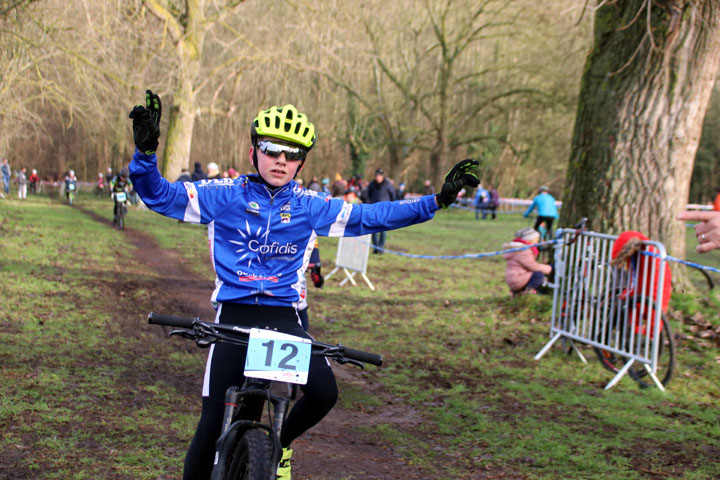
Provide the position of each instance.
(643, 97)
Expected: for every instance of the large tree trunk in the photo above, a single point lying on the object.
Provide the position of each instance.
(176, 155)
(643, 97)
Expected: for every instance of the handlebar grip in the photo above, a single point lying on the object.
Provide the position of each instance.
(171, 320)
(361, 356)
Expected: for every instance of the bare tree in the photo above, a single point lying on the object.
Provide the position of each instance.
(187, 24)
(643, 98)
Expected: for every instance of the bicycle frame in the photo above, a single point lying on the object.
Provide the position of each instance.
(244, 405)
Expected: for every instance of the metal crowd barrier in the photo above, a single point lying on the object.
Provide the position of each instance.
(610, 308)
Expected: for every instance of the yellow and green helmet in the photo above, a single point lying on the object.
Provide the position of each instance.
(285, 123)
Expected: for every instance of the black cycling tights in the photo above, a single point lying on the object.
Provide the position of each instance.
(225, 364)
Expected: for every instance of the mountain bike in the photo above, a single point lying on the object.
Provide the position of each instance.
(120, 200)
(249, 444)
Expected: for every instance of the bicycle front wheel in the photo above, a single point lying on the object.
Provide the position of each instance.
(252, 457)
(666, 358)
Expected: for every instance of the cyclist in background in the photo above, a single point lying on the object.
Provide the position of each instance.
(120, 184)
(70, 185)
(547, 210)
(262, 226)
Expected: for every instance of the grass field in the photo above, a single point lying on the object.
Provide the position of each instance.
(459, 352)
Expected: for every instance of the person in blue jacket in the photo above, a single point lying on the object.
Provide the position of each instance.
(480, 201)
(262, 230)
(547, 210)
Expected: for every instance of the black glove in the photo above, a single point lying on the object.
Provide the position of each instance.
(455, 180)
(317, 279)
(146, 123)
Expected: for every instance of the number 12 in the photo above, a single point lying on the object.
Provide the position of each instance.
(270, 345)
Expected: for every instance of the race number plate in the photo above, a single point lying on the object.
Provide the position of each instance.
(71, 186)
(277, 356)
(120, 196)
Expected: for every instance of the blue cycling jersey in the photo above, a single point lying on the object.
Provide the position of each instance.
(261, 240)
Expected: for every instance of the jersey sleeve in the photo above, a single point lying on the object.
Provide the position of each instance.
(198, 202)
(335, 218)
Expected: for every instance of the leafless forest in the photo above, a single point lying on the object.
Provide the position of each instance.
(410, 85)
(407, 85)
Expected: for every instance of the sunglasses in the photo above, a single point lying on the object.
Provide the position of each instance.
(274, 150)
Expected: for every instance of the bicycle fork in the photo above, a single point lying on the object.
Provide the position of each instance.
(243, 411)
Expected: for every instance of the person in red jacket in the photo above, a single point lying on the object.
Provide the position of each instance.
(644, 273)
(34, 180)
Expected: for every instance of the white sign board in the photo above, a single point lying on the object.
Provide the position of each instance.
(352, 255)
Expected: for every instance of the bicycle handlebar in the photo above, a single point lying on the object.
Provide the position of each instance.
(579, 228)
(171, 320)
(364, 357)
(191, 323)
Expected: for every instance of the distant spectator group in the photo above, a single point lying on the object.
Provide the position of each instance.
(21, 179)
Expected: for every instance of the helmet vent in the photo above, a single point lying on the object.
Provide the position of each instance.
(277, 122)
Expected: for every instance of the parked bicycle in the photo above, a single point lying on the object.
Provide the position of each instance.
(249, 444)
(609, 306)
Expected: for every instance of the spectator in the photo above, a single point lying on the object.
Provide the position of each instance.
(523, 273)
(325, 183)
(380, 190)
(5, 168)
(707, 231)
(225, 174)
(480, 202)
(213, 172)
(547, 210)
(716, 202)
(493, 201)
(184, 176)
(198, 173)
(314, 185)
(429, 189)
(34, 180)
(233, 173)
(338, 187)
(400, 192)
(22, 184)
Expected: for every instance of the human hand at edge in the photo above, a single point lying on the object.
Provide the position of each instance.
(707, 231)
(146, 123)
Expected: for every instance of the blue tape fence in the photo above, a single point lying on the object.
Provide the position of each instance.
(549, 242)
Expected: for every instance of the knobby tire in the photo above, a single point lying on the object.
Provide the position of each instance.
(252, 457)
(666, 359)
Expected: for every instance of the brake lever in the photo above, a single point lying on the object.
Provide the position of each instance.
(185, 333)
(343, 361)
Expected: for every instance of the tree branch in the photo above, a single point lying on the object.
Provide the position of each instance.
(163, 13)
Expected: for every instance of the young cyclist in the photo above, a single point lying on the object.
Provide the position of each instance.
(262, 230)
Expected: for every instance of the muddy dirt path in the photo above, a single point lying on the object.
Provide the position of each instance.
(335, 449)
